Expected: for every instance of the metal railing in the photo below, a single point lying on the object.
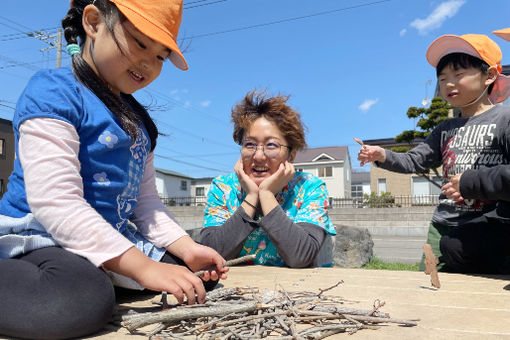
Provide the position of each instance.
(372, 202)
(184, 201)
(394, 201)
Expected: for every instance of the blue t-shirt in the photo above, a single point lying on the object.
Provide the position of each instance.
(303, 199)
(111, 164)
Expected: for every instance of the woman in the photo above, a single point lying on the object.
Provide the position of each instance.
(265, 207)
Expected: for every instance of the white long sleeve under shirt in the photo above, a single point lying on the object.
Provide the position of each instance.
(48, 151)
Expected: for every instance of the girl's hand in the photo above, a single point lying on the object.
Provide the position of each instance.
(246, 182)
(175, 279)
(452, 189)
(369, 153)
(279, 179)
(199, 257)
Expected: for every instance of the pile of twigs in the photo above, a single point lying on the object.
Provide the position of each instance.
(246, 313)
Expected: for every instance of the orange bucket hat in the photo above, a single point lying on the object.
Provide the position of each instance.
(476, 45)
(504, 33)
(159, 20)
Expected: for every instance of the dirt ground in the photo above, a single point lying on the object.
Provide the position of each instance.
(466, 306)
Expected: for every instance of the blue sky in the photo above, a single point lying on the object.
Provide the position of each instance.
(351, 67)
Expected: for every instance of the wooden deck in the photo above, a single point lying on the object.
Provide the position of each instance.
(466, 306)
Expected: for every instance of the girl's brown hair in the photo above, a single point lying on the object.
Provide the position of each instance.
(257, 104)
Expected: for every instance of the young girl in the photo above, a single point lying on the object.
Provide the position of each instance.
(83, 169)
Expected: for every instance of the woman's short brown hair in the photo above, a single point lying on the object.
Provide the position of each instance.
(257, 104)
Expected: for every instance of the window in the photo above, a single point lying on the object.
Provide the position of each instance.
(199, 191)
(326, 171)
(423, 190)
(184, 185)
(357, 191)
(2, 147)
(381, 185)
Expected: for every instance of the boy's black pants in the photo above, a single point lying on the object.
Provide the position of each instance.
(480, 246)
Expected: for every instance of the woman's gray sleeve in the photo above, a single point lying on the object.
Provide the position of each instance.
(297, 243)
(228, 238)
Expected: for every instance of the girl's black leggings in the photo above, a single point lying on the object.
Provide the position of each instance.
(51, 293)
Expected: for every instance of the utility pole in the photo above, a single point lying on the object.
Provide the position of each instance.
(53, 40)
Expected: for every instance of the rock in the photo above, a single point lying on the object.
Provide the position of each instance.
(353, 247)
(194, 233)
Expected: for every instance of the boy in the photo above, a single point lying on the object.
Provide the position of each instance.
(469, 231)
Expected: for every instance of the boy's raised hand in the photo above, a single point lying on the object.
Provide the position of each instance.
(369, 153)
(452, 189)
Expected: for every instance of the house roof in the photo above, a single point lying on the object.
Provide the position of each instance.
(172, 173)
(325, 154)
(5, 122)
(202, 180)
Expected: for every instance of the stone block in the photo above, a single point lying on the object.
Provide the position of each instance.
(353, 247)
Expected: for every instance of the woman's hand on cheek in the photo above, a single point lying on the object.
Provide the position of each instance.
(246, 182)
(279, 179)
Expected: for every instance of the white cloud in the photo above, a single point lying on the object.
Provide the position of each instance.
(174, 92)
(205, 103)
(367, 104)
(403, 32)
(187, 104)
(435, 19)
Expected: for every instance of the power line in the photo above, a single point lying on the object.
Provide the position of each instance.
(194, 2)
(16, 23)
(207, 4)
(183, 155)
(10, 107)
(187, 133)
(191, 164)
(24, 34)
(14, 62)
(183, 106)
(283, 20)
(11, 27)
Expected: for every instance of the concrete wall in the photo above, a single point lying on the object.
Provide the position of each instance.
(398, 233)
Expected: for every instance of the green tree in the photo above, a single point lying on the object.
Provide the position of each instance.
(428, 119)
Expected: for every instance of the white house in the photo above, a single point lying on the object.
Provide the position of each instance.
(332, 164)
(200, 188)
(172, 184)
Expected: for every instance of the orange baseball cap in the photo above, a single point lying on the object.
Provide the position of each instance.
(477, 45)
(159, 20)
(504, 33)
